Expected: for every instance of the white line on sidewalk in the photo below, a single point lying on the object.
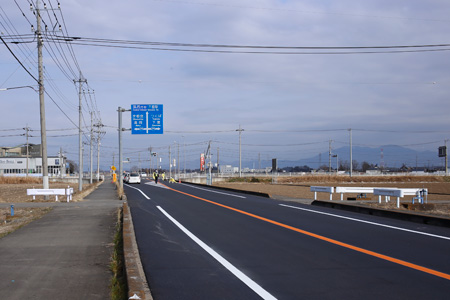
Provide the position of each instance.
(368, 222)
(236, 272)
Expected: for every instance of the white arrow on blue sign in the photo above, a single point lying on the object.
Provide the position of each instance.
(147, 119)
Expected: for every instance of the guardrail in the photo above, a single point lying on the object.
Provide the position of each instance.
(50, 192)
(322, 189)
(420, 194)
(357, 190)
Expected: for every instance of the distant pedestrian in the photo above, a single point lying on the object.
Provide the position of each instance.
(163, 176)
(156, 178)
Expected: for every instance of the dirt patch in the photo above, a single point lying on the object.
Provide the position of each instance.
(22, 216)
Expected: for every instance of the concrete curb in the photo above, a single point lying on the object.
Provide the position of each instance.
(230, 189)
(405, 216)
(137, 282)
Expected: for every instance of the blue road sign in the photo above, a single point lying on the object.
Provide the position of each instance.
(147, 119)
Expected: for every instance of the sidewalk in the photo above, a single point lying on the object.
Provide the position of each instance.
(65, 254)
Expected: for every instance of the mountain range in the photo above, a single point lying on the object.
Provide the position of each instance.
(389, 156)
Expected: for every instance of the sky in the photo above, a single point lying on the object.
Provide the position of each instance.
(290, 105)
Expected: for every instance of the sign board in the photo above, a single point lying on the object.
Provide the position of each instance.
(113, 168)
(202, 162)
(147, 119)
(274, 165)
(443, 151)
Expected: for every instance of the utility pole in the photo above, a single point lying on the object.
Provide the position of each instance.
(208, 157)
(178, 160)
(259, 161)
(99, 132)
(80, 133)
(170, 164)
(150, 150)
(120, 110)
(351, 153)
(40, 43)
(61, 162)
(329, 156)
(90, 147)
(139, 163)
(240, 152)
(26, 134)
(184, 156)
(210, 163)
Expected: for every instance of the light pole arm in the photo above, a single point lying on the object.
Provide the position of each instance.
(19, 87)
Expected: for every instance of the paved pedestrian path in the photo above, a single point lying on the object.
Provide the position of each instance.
(63, 255)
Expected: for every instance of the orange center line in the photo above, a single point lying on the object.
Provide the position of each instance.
(332, 241)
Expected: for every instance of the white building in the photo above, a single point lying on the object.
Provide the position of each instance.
(228, 169)
(14, 160)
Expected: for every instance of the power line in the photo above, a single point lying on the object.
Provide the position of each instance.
(9, 49)
(211, 48)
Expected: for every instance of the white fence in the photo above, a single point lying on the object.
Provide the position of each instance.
(51, 192)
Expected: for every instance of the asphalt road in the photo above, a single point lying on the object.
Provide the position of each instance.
(209, 244)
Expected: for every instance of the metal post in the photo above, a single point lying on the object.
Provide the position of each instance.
(120, 110)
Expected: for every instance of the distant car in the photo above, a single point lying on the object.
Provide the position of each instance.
(134, 178)
(126, 177)
(143, 175)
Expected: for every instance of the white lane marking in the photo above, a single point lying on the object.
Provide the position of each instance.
(368, 222)
(236, 272)
(147, 197)
(152, 183)
(194, 187)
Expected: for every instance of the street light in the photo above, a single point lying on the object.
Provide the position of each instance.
(19, 87)
(337, 162)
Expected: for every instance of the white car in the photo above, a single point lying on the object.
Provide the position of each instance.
(126, 176)
(134, 178)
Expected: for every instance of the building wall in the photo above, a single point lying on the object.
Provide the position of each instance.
(18, 165)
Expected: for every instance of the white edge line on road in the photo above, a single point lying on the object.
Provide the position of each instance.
(236, 272)
(194, 187)
(147, 197)
(367, 222)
